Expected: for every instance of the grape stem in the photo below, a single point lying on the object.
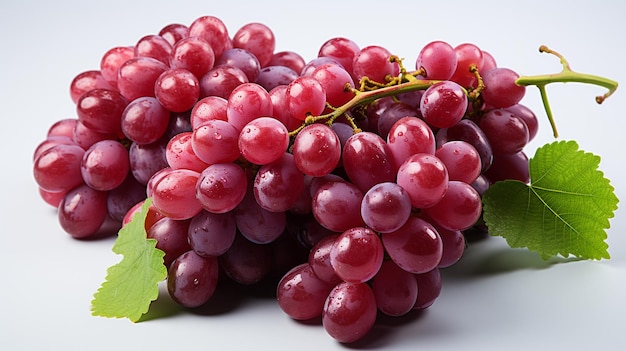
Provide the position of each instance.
(565, 76)
(368, 92)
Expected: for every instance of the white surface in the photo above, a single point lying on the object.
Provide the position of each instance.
(494, 299)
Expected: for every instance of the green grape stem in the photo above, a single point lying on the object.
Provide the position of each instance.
(567, 75)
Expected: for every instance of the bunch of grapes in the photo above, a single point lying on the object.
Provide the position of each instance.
(347, 180)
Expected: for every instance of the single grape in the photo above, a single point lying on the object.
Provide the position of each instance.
(341, 49)
(82, 211)
(506, 132)
(174, 32)
(459, 208)
(289, 59)
(177, 89)
(425, 179)
(467, 54)
(101, 110)
(206, 109)
(509, 167)
(174, 195)
(395, 290)
(221, 187)
(257, 224)
(193, 54)
(146, 159)
(316, 150)
(429, 288)
(213, 30)
(319, 259)
(192, 279)
(247, 102)
(416, 247)
(385, 207)
(334, 79)
(144, 120)
(367, 161)
(409, 136)
(171, 237)
(105, 165)
(336, 206)
(221, 81)
(263, 140)
(443, 104)
(58, 168)
(277, 185)
(154, 46)
(528, 116)
(356, 255)
(136, 77)
(439, 60)
(215, 141)
(87, 81)
(211, 234)
(373, 62)
(461, 160)
(242, 59)
(500, 88)
(391, 115)
(121, 199)
(306, 97)
(349, 312)
(179, 153)
(258, 39)
(112, 60)
(301, 294)
(272, 76)
(245, 262)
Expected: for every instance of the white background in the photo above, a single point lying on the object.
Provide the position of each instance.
(494, 299)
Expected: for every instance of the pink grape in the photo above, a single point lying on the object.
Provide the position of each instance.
(215, 141)
(439, 60)
(395, 290)
(57, 169)
(319, 259)
(171, 237)
(105, 165)
(461, 160)
(289, 59)
(429, 288)
(459, 208)
(341, 49)
(373, 62)
(137, 76)
(306, 96)
(211, 234)
(221, 187)
(301, 294)
(177, 89)
(316, 150)
(443, 104)
(87, 81)
(425, 179)
(154, 46)
(258, 39)
(144, 120)
(367, 160)
(409, 136)
(193, 54)
(356, 255)
(277, 185)
(336, 206)
(82, 211)
(500, 88)
(247, 102)
(174, 195)
(213, 30)
(416, 247)
(385, 207)
(349, 312)
(263, 140)
(192, 279)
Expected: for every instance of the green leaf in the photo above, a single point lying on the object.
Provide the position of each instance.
(132, 284)
(565, 210)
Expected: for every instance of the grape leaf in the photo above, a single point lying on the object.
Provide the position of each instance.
(132, 284)
(565, 210)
